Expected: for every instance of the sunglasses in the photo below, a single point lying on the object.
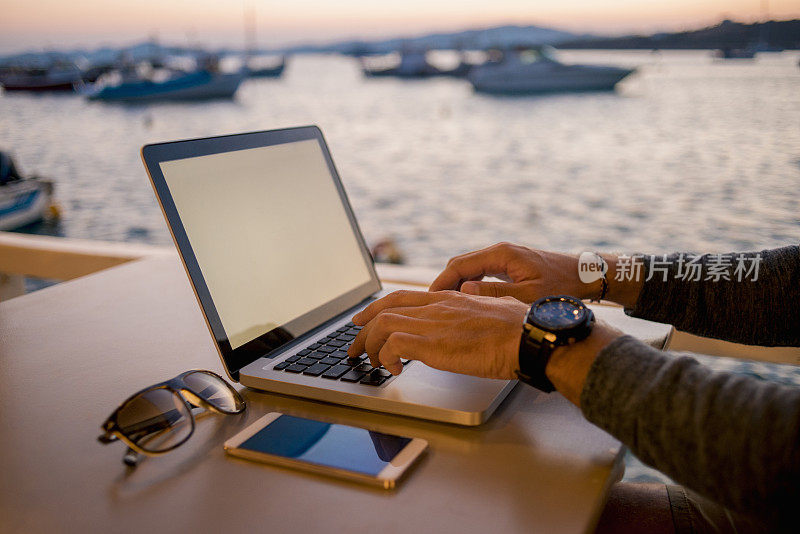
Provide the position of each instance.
(159, 418)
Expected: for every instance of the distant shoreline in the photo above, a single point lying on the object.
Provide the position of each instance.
(763, 36)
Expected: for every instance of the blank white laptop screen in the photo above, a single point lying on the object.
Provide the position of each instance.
(269, 232)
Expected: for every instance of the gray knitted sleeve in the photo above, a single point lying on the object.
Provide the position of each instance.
(764, 311)
(732, 438)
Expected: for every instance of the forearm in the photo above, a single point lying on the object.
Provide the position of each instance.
(758, 307)
(623, 290)
(732, 438)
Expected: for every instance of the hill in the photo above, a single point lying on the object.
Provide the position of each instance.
(727, 34)
(500, 36)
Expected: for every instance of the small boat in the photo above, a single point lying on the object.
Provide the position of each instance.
(536, 70)
(462, 70)
(39, 79)
(92, 73)
(23, 201)
(267, 72)
(412, 64)
(198, 85)
(736, 53)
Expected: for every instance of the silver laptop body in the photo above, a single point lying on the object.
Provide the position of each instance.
(279, 266)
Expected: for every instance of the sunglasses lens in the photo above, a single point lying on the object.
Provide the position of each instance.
(156, 420)
(215, 391)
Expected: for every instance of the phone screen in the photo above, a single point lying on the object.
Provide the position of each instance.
(333, 445)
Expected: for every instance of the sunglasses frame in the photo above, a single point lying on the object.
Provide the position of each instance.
(178, 387)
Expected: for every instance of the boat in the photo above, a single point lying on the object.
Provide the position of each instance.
(535, 70)
(198, 85)
(93, 73)
(736, 53)
(266, 72)
(23, 201)
(412, 64)
(65, 78)
(462, 70)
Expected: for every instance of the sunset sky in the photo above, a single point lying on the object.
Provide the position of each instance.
(89, 23)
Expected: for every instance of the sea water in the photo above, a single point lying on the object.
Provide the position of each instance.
(688, 154)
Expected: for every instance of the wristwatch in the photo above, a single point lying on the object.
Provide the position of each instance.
(551, 322)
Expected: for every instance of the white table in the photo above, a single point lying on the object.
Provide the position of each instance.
(70, 353)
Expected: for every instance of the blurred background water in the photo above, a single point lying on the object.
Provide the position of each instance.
(689, 153)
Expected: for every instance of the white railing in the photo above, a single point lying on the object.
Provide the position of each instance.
(58, 258)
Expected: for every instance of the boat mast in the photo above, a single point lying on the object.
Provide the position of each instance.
(249, 30)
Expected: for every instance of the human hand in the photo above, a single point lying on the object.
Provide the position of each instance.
(446, 330)
(528, 274)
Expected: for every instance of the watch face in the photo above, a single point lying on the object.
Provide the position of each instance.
(558, 314)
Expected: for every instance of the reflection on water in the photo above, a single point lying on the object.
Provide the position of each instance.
(688, 154)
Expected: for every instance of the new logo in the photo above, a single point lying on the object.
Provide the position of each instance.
(591, 267)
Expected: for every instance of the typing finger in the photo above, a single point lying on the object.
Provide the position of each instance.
(403, 298)
(400, 345)
(472, 266)
(359, 344)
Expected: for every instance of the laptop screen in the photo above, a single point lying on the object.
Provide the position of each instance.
(271, 235)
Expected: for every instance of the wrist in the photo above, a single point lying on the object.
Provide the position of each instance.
(569, 365)
(589, 290)
(624, 292)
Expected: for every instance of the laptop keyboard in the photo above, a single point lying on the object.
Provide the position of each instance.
(327, 358)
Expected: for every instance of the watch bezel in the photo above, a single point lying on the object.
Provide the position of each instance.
(577, 325)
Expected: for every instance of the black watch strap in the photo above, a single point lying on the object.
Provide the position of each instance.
(533, 358)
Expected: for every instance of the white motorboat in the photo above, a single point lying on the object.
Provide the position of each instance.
(59, 77)
(24, 202)
(412, 64)
(537, 71)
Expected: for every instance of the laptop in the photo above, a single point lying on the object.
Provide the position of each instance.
(279, 266)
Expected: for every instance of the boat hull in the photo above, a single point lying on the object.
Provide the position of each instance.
(50, 81)
(24, 202)
(397, 73)
(39, 88)
(567, 79)
(195, 86)
(273, 72)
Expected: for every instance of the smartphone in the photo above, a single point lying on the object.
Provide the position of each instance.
(327, 448)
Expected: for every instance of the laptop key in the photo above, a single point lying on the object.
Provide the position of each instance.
(336, 343)
(316, 369)
(373, 379)
(346, 337)
(343, 329)
(306, 361)
(317, 355)
(283, 365)
(351, 324)
(365, 367)
(292, 359)
(304, 352)
(315, 346)
(336, 371)
(355, 360)
(295, 368)
(330, 360)
(353, 376)
(326, 349)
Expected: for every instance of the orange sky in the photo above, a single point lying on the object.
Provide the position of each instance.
(55, 23)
